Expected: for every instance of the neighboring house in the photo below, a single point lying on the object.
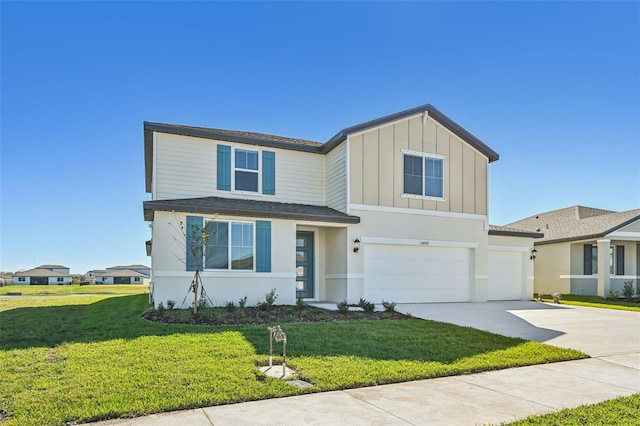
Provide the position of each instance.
(130, 274)
(43, 275)
(91, 275)
(393, 209)
(569, 257)
(6, 278)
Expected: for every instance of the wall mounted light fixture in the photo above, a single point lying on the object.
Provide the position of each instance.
(356, 245)
(534, 252)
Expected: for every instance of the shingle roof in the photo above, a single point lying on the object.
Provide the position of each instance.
(512, 232)
(129, 267)
(283, 142)
(249, 208)
(39, 272)
(576, 223)
(52, 267)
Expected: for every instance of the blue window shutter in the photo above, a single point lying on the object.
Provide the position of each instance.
(193, 229)
(263, 246)
(269, 172)
(224, 168)
(587, 259)
(619, 260)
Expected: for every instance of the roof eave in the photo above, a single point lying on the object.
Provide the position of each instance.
(501, 233)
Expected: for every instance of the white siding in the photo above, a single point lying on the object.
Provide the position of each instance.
(337, 178)
(186, 168)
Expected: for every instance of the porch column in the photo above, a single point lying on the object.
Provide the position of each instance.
(603, 267)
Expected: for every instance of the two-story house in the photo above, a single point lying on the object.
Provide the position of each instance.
(43, 275)
(393, 209)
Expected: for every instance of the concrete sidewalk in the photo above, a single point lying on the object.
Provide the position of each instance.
(491, 397)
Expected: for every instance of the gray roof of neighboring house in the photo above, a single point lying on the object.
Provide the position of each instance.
(129, 267)
(250, 208)
(124, 273)
(274, 141)
(39, 272)
(576, 223)
(505, 231)
(52, 267)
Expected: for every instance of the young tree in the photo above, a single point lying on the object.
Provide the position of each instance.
(193, 239)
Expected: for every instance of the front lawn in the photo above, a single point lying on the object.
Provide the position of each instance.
(594, 302)
(619, 411)
(85, 358)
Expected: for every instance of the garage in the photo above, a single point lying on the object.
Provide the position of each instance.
(416, 274)
(505, 275)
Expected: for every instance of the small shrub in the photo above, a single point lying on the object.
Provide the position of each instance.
(343, 306)
(202, 303)
(389, 306)
(230, 307)
(269, 300)
(160, 309)
(613, 295)
(556, 297)
(220, 315)
(171, 304)
(300, 303)
(242, 303)
(366, 305)
(628, 290)
(288, 311)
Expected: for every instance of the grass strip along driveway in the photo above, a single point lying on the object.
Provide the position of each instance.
(85, 358)
(595, 302)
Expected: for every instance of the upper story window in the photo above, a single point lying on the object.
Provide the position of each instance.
(423, 175)
(246, 170)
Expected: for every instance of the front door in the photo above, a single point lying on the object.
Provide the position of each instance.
(304, 264)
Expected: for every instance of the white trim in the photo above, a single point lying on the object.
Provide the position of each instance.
(422, 154)
(230, 245)
(154, 171)
(412, 242)
(405, 210)
(531, 277)
(482, 277)
(623, 277)
(509, 248)
(591, 277)
(343, 276)
(624, 235)
(422, 197)
(226, 274)
(604, 241)
(425, 118)
(348, 171)
(383, 125)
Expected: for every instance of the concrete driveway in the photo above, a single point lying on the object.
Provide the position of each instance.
(598, 332)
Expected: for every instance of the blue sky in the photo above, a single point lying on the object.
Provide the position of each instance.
(553, 87)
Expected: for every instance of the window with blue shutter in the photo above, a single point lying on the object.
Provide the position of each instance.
(193, 235)
(263, 246)
(224, 168)
(269, 172)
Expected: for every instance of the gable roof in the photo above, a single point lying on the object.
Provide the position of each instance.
(263, 139)
(576, 223)
(250, 208)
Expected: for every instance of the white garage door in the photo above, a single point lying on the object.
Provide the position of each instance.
(505, 276)
(416, 274)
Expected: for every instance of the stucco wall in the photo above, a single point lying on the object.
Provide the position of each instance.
(552, 262)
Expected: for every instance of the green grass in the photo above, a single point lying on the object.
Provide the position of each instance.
(42, 290)
(619, 411)
(87, 358)
(593, 302)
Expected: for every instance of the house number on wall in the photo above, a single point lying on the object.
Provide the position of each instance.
(424, 243)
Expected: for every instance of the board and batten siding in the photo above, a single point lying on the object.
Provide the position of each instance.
(376, 167)
(186, 167)
(336, 172)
